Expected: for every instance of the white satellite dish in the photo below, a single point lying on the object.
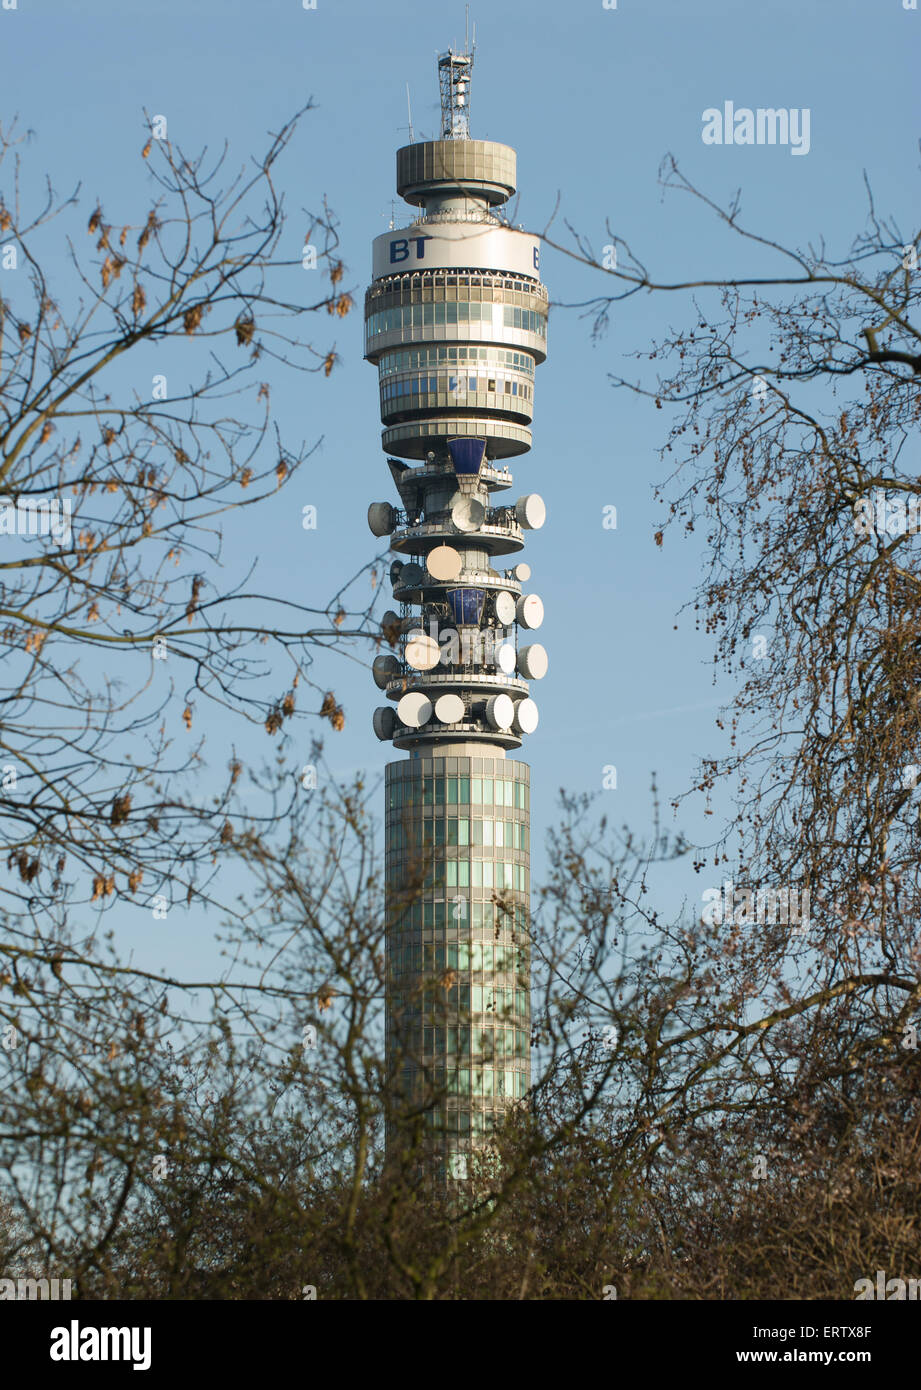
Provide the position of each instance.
(449, 709)
(395, 571)
(526, 717)
(505, 607)
(500, 712)
(505, 658)
(444, 562)
(529, 611)
(531, 511)
(466, 512)
(384, 669)
(414, 709)
(382, 518)
(522, 573)
(384, 722)
(532, 662)
(422, 651)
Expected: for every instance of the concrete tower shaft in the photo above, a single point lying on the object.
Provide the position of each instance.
(456, 323)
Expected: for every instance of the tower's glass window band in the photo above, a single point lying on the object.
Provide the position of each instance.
(422, 315)
(409, 358)
(463, 791)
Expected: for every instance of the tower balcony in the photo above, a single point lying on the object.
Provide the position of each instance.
(415, 438)
(491, 475)
(469, 677)
(500, 533)
(435, 590)
(432, 735)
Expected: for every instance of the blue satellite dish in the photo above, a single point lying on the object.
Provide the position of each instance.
(467, 454)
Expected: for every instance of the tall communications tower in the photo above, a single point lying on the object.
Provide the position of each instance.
(456, 321)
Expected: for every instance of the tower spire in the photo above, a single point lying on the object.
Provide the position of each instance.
(454, 73)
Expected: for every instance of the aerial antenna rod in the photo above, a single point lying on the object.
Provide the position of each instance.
(409, 116)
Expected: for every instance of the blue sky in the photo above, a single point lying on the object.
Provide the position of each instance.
(592, 99)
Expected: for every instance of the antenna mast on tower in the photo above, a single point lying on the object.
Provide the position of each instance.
(409, 115)
(454, 73)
